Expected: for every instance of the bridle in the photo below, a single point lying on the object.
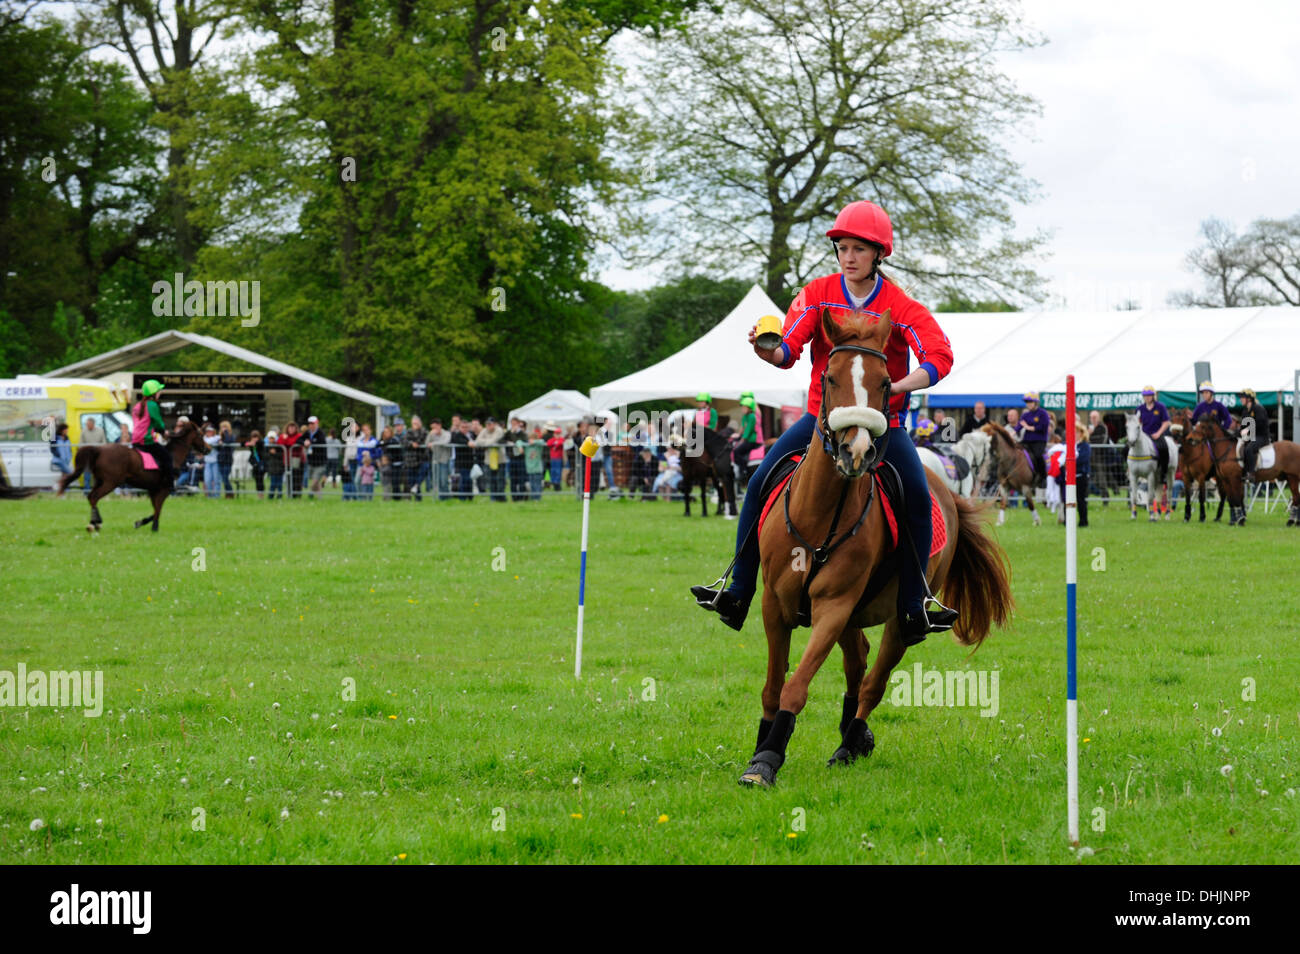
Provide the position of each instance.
(879, 441)
(822, 553)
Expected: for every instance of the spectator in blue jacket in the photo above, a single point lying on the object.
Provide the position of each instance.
(1082, 470)
(61, 450)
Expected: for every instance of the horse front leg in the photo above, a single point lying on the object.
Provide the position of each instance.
(778, 664)
(1002, 503)
(1028, 491)
(830, 618)
(1132, 494)
(854, 741)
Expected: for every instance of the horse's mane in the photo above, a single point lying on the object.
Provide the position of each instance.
(1001, 432)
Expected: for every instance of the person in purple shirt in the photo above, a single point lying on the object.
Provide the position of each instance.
(1209, 405)
(1155, 422)
(1035, 427)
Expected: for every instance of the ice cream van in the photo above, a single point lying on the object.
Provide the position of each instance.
(31, 407)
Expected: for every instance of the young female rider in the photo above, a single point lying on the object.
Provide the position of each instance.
(862, 236)
(149, 431)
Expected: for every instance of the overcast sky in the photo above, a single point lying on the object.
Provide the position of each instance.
(1156, 115)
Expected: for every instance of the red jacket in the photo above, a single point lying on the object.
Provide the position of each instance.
(914, 329)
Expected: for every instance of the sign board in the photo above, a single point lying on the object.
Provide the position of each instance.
(219, 381)
(390, 410)
(419, 389)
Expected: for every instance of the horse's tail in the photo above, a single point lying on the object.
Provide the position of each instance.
(978, 585)
(84, 460)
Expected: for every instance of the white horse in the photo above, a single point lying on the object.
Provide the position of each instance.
(1143, 462)
(974, 447)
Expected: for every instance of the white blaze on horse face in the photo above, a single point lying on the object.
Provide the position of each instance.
(859, 390)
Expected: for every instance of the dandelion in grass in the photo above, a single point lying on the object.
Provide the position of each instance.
(37, 824)
(575, 814)
(663, 819)
(284, 814)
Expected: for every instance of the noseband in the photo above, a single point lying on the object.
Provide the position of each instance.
(879, 442)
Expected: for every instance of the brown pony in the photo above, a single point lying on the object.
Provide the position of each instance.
(829, 482)
(1014, 471)
(115, 464)
(1286, 465)
(1227, 469)
(1196, 461)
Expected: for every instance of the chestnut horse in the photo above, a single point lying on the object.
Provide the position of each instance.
(1197, 462)
(1227, 469)
(115, 464)
(1286, 465)
(1014, 469)
(828, 483)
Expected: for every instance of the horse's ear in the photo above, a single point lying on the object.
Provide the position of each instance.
(829, 326)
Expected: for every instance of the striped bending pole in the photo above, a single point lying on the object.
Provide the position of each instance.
(588, 449)
(1071, 579)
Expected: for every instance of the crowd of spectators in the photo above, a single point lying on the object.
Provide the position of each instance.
(465, 458)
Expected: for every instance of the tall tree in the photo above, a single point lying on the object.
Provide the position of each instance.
(763, 120)
(1258, 267)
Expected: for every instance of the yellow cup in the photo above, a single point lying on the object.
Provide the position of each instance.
(768, 335)
(589, 447)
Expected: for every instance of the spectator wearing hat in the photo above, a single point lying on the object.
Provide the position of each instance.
(317, 454)
(1211, 406)
(555, 448)
(438, 448)
(923, 436)
(1254, 430)
(1154, 417)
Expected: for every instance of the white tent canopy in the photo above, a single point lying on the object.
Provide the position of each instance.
(999, 356)
(560, 406)
(720, 362)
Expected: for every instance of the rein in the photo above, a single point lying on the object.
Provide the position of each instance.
(822, 554)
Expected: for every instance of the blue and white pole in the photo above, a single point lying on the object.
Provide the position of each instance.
(1071, 580)
(588, 449)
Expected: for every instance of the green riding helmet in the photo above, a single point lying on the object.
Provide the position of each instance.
(704, 396)
(152, 387)
(748, 402)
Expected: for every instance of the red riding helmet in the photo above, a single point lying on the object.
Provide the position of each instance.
(864, 220)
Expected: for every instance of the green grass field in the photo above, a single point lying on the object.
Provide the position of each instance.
(226, 736)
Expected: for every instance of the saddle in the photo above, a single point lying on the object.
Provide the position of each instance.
(1264, 457)
(954, 465)
(886, 482)
(147, 460)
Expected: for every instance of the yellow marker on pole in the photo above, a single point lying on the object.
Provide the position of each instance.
(588, 450)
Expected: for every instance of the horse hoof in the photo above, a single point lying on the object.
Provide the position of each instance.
(859, 742)
(762, 769)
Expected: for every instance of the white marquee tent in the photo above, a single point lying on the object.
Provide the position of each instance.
(720, 362)
(999, 356)
(560, 406)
